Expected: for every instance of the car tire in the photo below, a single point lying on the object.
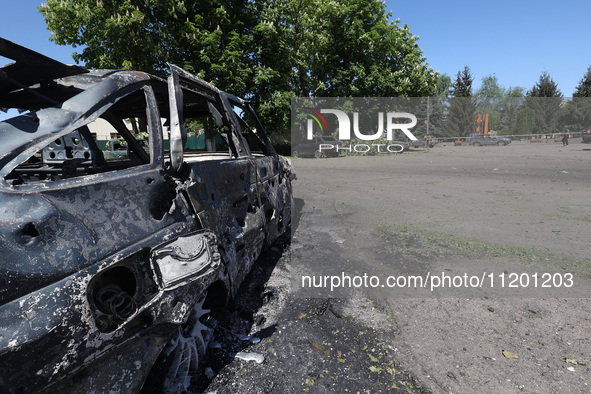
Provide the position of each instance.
(501, 143)
(477, 144)
(180, 358)
(319, 155)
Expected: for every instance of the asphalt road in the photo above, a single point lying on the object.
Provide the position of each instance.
(508, 226)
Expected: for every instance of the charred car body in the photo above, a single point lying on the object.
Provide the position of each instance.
(109, 267)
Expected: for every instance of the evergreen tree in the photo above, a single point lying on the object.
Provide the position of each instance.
(545, 87)
(545, 100)
(583, 89)
(462, 108)
(577, 112)
(462, 86)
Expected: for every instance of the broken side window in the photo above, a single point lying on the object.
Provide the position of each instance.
(204, 136)
(78, 153)
(252, 131)
(207, 132)
(201, 120)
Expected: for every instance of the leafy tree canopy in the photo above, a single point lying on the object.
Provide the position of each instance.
(490, 87)
(515, 91)
(267, 51)
(444, 85)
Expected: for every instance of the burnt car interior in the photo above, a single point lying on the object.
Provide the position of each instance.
(77, 154)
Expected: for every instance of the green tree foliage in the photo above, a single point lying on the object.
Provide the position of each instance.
(208, 38)
(462, 108)
(433, 111)
(490, 88)
(545, 100)
(545, 87)
(577, 112)
(462, 86)
(443, 86)
(490, 97)
(501, 104)
(515, 91)
(369, 56)
(525, 121)
(268, 51)
(583, 89)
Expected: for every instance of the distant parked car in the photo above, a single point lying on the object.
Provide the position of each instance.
(586, 134)
(320, 146)
(480, 140)
(405, 145)
(420, 143)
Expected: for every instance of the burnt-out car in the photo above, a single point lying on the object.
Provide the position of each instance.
(111, 267)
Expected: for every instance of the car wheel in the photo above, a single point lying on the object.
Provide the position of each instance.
(179, 360)
(501, 143)
(318, 154)
(477, 144)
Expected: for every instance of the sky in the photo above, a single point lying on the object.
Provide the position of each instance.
(516, 40)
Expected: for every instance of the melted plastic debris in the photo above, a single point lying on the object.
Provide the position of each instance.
(214, 345)
(209, 373)
(256, 357)
(248, 338)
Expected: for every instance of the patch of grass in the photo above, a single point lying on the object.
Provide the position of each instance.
(566, 217)
(510, 194)
(417, 243)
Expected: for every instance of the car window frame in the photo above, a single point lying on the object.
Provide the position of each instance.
(156, 153)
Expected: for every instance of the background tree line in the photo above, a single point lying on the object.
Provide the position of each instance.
(511, 111)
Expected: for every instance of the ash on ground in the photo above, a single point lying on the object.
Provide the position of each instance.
(308, 345)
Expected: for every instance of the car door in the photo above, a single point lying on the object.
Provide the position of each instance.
(274, 172)
(221, 178)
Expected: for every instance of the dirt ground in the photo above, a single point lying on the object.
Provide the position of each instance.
(484, 212)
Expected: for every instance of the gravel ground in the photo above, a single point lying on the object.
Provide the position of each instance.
(456, 211)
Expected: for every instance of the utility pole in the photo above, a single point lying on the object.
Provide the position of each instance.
(428, 112)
